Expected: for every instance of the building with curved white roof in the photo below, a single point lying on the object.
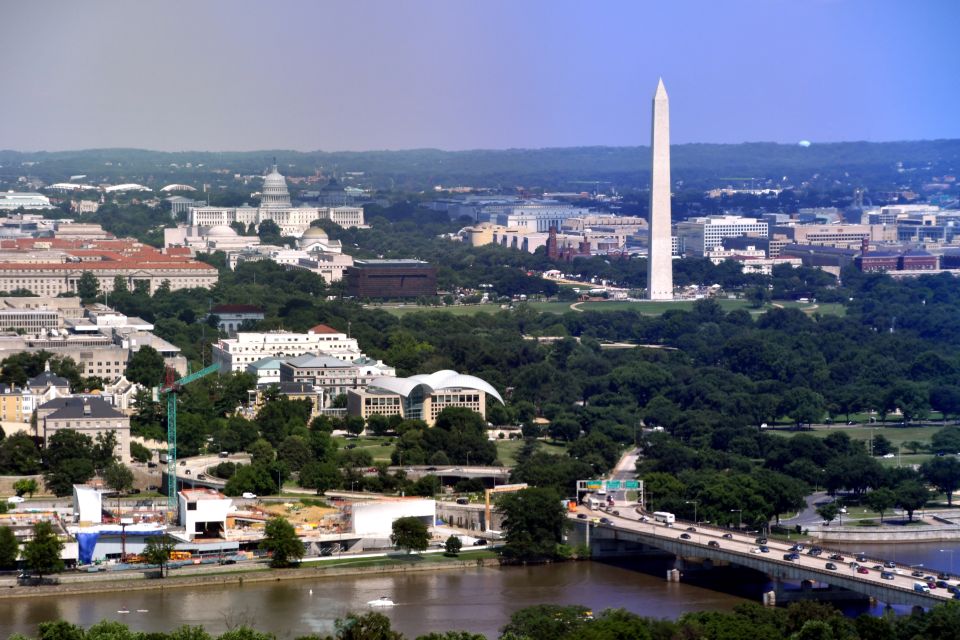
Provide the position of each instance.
(421, 397)
(177, 187)
(128, 186)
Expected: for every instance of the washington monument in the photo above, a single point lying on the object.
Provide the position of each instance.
(660, 262)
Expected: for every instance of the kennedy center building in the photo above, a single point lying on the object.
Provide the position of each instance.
(660, 262)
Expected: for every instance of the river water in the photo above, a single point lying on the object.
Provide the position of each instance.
(480, 600)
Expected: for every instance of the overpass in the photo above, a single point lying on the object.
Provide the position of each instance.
(721, 546)
(499, 475)
(192, 472)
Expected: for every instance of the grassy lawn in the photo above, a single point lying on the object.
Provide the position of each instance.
(379, 447)
(896, 435)
(644, 307)
(507, 450)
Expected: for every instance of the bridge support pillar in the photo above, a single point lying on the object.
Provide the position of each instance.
(673, 575)
(770, 599)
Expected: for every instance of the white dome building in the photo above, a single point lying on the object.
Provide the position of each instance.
(275, 205)
(316, 240)
(275, 194)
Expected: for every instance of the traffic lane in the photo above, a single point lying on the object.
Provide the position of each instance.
(777, 549)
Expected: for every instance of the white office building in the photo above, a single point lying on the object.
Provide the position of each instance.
(699, 236)
(235, 354)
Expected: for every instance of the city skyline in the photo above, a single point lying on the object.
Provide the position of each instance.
(426, 74)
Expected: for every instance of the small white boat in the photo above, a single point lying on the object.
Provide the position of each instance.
(143, 610)
(123, 610)
(382, 601)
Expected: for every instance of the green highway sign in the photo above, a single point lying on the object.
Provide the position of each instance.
(632, 484)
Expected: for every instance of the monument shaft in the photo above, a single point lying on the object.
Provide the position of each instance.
(660, 263)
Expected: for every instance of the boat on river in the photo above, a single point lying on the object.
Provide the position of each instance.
(382, 601)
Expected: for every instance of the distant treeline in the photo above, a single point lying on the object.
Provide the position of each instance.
(557, 168)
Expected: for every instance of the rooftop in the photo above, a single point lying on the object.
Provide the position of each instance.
(76, 408)
(323, 328)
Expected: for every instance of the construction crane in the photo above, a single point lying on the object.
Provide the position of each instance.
(172, 388)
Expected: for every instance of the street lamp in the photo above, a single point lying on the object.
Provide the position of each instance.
(950, 551)
(694, 503)
(739, 518)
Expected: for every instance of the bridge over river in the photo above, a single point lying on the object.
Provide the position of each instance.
(713, 546)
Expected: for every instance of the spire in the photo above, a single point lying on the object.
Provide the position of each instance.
(661, 91)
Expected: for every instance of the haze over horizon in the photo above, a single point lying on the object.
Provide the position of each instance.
(332, 76)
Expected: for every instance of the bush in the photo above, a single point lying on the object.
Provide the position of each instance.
(139, 452)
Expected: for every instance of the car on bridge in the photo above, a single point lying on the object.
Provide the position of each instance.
(862, 569)
(791, 556)
(886, 575)
(831, 566)
(713, 543)
(764, 549)
(684, 536)
(837, 557)
(728, 536)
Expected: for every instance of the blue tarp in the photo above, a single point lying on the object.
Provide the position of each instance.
(86, 542)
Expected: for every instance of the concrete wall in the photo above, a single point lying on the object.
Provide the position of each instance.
(375, 519)
(468, 516)
(888, 535)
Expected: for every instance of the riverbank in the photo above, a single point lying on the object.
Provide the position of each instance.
(144, 581)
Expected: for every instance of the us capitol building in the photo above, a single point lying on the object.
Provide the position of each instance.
(275, 205)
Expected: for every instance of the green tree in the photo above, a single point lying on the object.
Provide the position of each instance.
(911, 495)
(881, 445)
(146, 367)
(321, 476)
(60, 478)
(139, 452)
(261, 452)
(546, 621)
(19, 455)
(410, 533)
(41, 554)
(913, 446)
(378, 424)
(533, 524)
(253, 478)
(944, 474)
(452, 546)
(294, 452)
(119, 478)
(158, 551)
(881, 500)
(803, 406)
(104, 450)
(354, 425)
(9, 548)
(828, 512)
(280, 538)
(88, 286)
(25, 485)
(369, 626)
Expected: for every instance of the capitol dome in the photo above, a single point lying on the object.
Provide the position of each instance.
(274, 194)
(221, 231)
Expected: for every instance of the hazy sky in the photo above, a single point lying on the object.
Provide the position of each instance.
(459, 74)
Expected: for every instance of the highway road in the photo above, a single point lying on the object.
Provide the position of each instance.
(704, 541)
(190, 470)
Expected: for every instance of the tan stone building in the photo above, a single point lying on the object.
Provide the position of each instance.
(88, 415)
